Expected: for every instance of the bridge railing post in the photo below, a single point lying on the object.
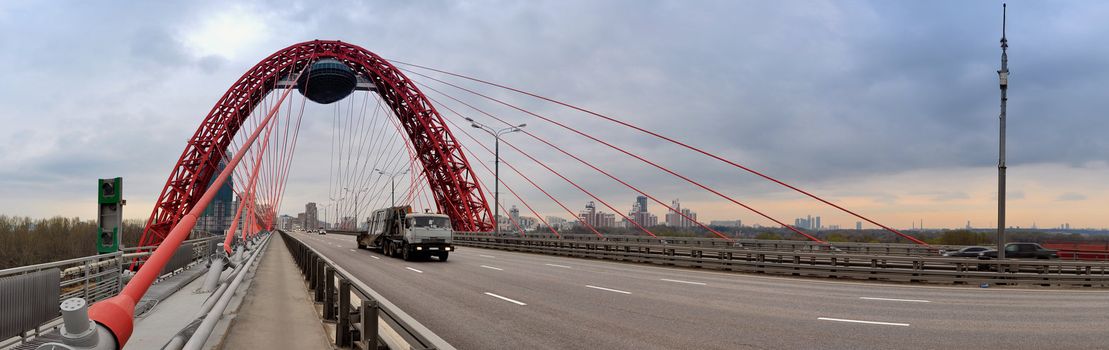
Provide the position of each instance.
(310, 271)
(342, 326)
(369, 324)
(329, 294)
(318, 282)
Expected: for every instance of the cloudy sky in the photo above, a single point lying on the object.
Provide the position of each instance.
(888, 108)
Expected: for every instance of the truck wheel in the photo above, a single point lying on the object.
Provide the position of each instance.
(443, 256)
(406, 253)
(387, 248)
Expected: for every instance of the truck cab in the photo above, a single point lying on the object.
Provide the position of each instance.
(428, 234)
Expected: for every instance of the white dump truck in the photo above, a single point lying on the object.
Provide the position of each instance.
(398, 232)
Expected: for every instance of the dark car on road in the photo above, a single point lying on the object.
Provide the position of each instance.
(966, 252)
(1022, 251)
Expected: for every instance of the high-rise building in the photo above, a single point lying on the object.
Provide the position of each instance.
(606, 219)
(219, 213)
(639, 214)
(510, 223)
(285, 222)
(688, 218)
(595, 218)
(559, 223)
(673, 219)
(311, 216)
(859, 225)
(589, 214)
(810, 222)
(680, 217)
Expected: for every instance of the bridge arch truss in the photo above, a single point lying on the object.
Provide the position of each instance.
(454, 188)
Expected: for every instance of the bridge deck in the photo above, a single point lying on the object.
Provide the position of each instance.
(278, 312)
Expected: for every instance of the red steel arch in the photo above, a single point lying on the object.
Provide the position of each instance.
(449, 176)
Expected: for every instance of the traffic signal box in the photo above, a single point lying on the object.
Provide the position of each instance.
(110, 215)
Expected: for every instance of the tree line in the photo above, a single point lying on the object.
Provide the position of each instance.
(27, 241)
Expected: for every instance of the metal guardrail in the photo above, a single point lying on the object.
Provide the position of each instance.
(794, 246)
(356, 308)
(749, 244)
(901, 268)
(93, 278)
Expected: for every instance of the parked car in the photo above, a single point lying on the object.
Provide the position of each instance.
(966, 252)
(1021, 251)
(322, 231)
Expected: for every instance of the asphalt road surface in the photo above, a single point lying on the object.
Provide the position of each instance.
(491, 299)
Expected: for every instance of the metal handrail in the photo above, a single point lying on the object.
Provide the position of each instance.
(333, 286)
(819, 263)
(94, 278)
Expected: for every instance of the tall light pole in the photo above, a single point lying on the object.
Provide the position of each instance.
(356, 194)
(1003, 78)
(336, 204)
(392, 184)
(497, 133)
(325, 214)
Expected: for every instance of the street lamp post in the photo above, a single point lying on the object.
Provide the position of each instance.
(497, 133)
(1003, 77)
(392, 184)
(325, 212)
(356, 194)
(336, 204)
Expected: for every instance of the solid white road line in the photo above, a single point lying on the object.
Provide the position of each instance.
(505, 299)
(492, 268)
(889, 299)
(485, 256)
(557, 265)
(413, 269)
(375, 257)
(609, 289)
(863, 322)
(680, 281)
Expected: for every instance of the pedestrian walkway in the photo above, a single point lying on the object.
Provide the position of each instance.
(278, 312)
